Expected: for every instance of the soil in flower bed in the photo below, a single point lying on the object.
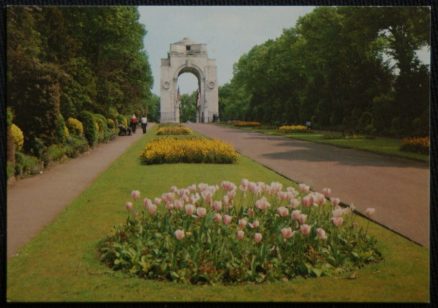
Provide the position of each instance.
(228, 234)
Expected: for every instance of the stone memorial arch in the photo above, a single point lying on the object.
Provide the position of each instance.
(187, 56)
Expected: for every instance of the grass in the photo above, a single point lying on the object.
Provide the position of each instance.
(61, 262)
(379, 145)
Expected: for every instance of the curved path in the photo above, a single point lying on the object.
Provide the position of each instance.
(34, 202)
(397, 188)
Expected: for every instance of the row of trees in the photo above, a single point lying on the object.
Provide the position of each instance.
(66, 61)
(343, 68)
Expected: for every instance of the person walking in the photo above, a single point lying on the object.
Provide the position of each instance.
(144, 123)
(133, 123)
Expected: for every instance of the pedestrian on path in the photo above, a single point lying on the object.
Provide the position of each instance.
(133, 123)
(144, 123)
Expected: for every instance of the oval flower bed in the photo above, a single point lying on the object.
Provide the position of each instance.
(293, 129)
(174, 130)
(228, 234)
(188, 150)
(245, 123)
(416, 145)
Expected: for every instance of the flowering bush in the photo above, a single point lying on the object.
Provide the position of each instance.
(188, 150)
(416, 144)
(174, 130)
(225, 233)
(293, 129)
(75, 126)
(17, 136)
(245, 123)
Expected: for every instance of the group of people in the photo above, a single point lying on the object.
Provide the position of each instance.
(134, 123)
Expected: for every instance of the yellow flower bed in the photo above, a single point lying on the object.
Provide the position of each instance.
(416, 144)
(293, 129)
(17, 136)
(174, 130)
(245, 123)
(188, 150)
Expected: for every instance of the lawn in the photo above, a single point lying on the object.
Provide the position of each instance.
(61, 263)
(380, 145)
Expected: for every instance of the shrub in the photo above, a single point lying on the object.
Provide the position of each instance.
(189, 150)
(174, 130)
(110, 123)
(17, 136)
(416, 144)
(209, 234)
(245, 123)
(56, 152)
(293, 129)
(26, 164)
(102, 127)
(62, 132)
(76, 145)
(38, 148)
(122, 120)
(75, 126)
(90, 131)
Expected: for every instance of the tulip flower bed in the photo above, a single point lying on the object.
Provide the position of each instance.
(416, 145)
(245, 123)
(174, 130)
(224, 233)
(293, 129)
(188, 150)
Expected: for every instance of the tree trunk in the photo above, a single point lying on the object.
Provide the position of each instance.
(10, 153)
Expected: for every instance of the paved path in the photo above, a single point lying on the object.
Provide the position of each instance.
(397, 188)
(35, 201)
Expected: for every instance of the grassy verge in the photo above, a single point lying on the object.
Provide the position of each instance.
(61, 263)
(379, 145)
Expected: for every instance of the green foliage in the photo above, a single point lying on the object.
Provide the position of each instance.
(75, 146)
(26, 164)
(122, 120)
(56, 152)
(330, 69)
(10, 169)
(9, 116)
(90, 130)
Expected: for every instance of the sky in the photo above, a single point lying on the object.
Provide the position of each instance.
(229, 32)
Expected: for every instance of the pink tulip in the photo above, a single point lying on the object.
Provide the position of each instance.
(337, 221)
(178, 204)
(250, 212)
(227, 186)
(231, 194)
(283, 211)
(128, 206)
(370, 211)
(326, 192)
(305, 229)
(276, 187)
(201, 212)
(307, 201)
(173, 189)
(179, 234)
(253, 187)
(254, 224)
(227, 219)
(242, 223)
(335, 201)
(135, 194)
(296, 214)
(217, 217)
(287, 233)
(152, 209)
(244, 182)
(320, 233)
(190, 209)
(291, 190)
(146, 202)
(304, 188)
(240, 235)
(294, 203)
(217, 206)
(283, 195)
(302, 219)
(318, 198)
(258, 237)
(262, 204)
(192, 188)
(170, 206)
(157, 201)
